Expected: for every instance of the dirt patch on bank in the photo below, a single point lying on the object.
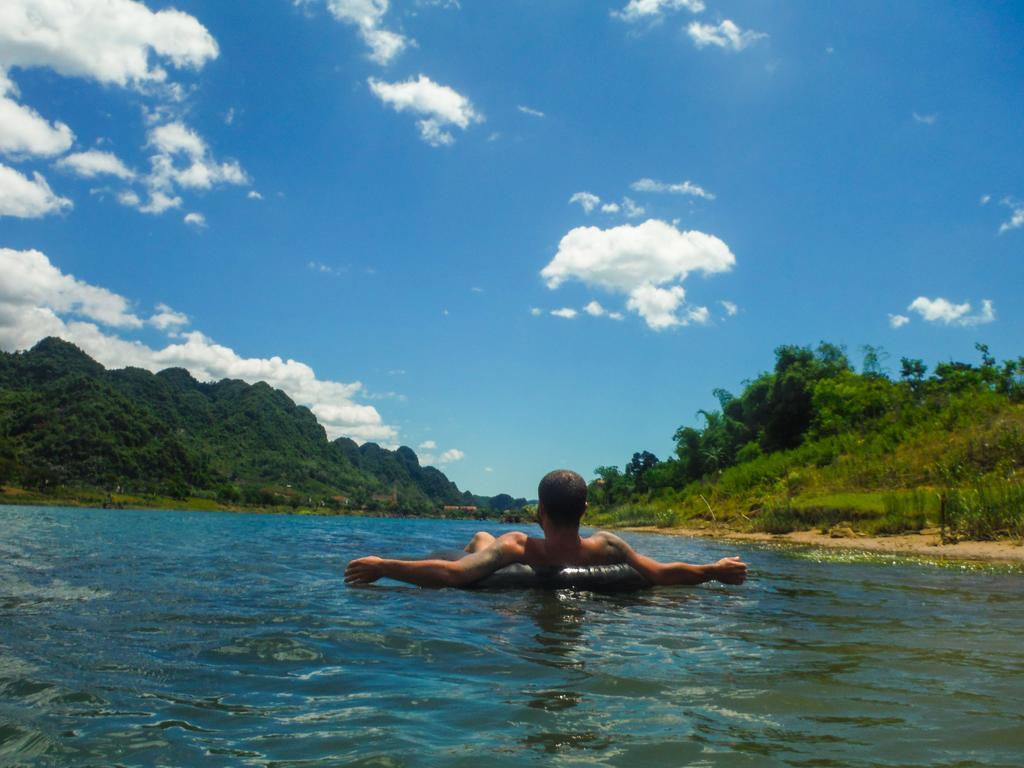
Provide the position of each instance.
(928, 543)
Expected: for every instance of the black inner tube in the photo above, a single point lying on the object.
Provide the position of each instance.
(592, 578)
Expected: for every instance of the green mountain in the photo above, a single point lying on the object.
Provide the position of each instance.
(68, 423)
(814, 443)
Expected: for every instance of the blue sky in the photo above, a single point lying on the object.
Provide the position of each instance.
(377, 207)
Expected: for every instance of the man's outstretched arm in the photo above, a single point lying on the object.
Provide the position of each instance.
(438, 573)
(729, 570)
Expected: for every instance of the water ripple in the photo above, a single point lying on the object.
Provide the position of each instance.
(123, 641)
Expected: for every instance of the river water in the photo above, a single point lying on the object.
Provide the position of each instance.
(145, 638)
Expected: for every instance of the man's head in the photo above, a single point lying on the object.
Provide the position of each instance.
(563, 498)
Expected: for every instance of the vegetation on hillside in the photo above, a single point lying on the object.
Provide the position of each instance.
(69, 428)
(814, 443)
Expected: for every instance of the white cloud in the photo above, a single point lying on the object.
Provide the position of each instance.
(616, 316)
(367, 16)
(985, 199)
(158, 201)
(1016, 217)
(640, 10)
(195, 219)
(427, 456)
(567, 313)
(925, 119)
(646, 262)
(96, 163)
(488, 469)
(698, 315)
(440, 106)
(657, 306)
(28, 279)
(38, 300)
(941, 310)
(452, 454)
(594, 309)
(631, 209)
(898, 321)
(182, 160)
(175, 141)
(681, 188)
(610, 208)
(254, 195)
(167, 319)
(23, 132)
(530, 111)
(725, 35)
(536, 311)
(730, 308)
(587, 200)
(112, 41)
(25, 198)
(130, 198)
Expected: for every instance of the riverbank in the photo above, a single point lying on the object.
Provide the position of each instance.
(20, 497)
(927, 543)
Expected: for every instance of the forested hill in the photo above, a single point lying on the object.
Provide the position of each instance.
(816, 443)
(67, 423)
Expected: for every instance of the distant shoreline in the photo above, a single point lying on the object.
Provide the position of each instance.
(208, 505)
(928, 543)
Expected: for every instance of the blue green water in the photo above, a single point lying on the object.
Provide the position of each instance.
(169, 638)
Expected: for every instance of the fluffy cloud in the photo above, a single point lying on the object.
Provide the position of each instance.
(28, 279)
(25, 198)
(610, 208)
(427, 456)
(96, 163)
(23, 132)
(195, 219)
(166, 319)
(646, 262)
(1016, 217)
(941, 310)
(725, 35)
(640, 10)
(682, 188)
(367, 16)
(594, 309)
(440, 106)
(37, 300)
(631, 209)
(567, 313)
(112, 41)
(587, 200)
(175, 141)
(181, 160)
(730, 308)
(452, 454)
(898, 321)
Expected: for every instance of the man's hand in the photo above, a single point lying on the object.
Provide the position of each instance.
(365, 570)
(729, 570)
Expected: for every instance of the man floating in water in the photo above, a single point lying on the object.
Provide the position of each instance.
(562, 500)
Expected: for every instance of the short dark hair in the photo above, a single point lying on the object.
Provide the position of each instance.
(563, 494)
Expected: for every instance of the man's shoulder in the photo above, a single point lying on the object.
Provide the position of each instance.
(516, 539)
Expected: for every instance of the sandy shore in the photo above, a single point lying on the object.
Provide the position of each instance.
(928, 543)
